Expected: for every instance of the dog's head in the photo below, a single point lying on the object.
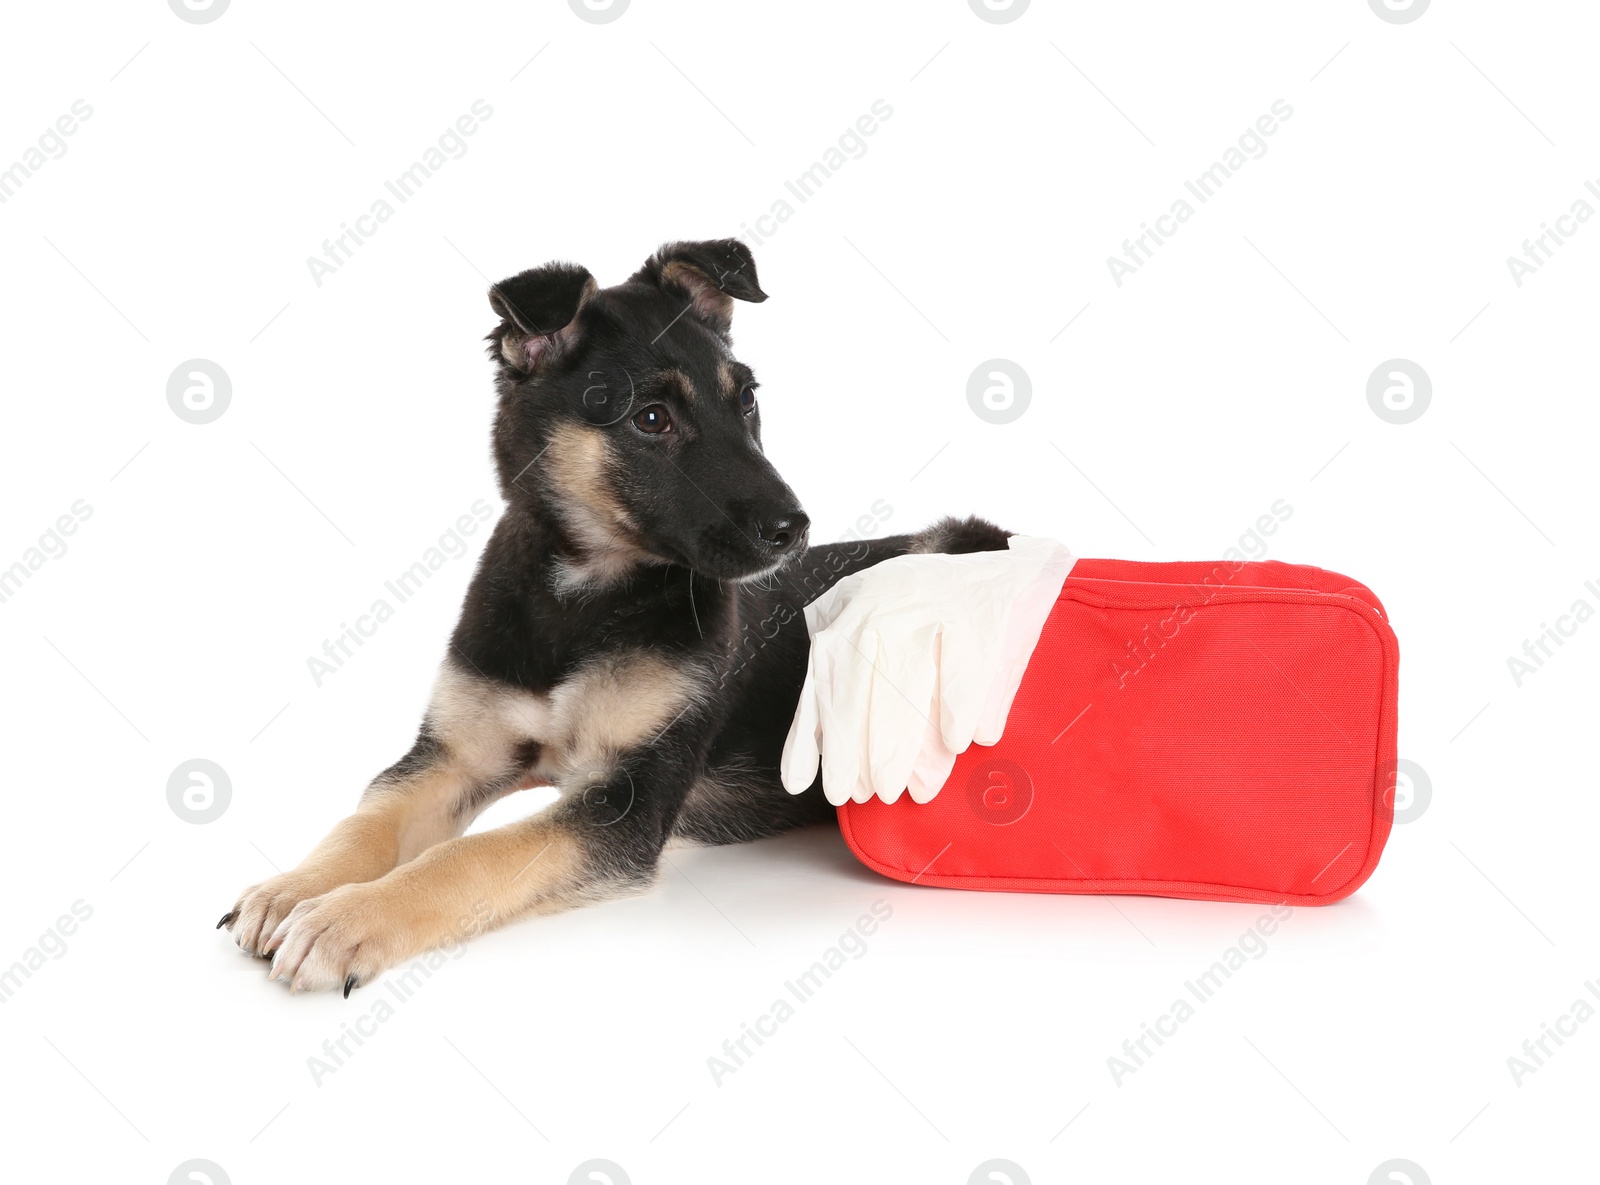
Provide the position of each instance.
(625, 417)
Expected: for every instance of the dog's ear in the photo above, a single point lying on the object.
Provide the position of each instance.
(539, 313)
(711, 275)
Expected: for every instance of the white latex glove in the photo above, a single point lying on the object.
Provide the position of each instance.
(914, 659)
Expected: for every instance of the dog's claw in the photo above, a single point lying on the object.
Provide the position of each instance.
(226, 918)
(350, 982)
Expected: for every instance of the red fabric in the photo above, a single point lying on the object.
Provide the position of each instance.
(1219, 731)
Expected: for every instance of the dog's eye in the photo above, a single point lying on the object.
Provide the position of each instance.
(653, 419)
(747, 400)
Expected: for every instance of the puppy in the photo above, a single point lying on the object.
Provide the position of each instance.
(632, 637)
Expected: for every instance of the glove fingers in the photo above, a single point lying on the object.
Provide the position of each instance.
(991, 719)
(932, 769)
(966, 672)
(842, 709)
(902, 702)
(872, 653)
(911, 662)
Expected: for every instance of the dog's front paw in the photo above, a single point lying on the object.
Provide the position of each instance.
(342, 939)
(262, 907)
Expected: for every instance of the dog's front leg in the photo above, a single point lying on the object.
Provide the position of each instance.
(429, 796)
(603, 838)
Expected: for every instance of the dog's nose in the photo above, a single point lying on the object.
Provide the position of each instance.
(782, 532)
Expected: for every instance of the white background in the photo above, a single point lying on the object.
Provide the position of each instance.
(1227, 373)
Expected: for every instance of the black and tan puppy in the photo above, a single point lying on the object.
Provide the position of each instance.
(633, 635)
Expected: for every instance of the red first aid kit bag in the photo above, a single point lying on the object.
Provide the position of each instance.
(1222, 731)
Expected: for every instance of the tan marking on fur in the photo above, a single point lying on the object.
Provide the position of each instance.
(603, 709)
(710, 301)
(680, 383)
(725, 376)
(396, 821)
(578, 469)
(579, 465)
(590, 287)
(482, 721)
(608, 708)
(453, 891)
(479, 724)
